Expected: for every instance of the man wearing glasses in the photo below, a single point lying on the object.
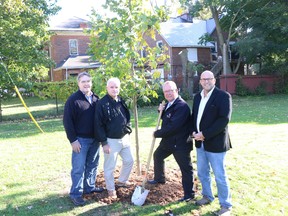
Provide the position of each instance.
(78, 122)
(211, 114)
(174, 132)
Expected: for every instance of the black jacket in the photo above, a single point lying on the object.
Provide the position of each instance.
(175, 126)
(78, 116)
(214, 121)
(112, 119)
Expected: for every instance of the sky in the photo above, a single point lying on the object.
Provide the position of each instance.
(81, 8)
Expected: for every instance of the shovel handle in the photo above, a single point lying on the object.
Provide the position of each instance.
(152, 145)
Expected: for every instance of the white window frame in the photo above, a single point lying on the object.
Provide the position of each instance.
(73, 47)
(192, 54)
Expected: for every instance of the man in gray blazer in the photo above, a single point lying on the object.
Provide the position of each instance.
(211, 114)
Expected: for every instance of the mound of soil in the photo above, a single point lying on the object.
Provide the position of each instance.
(160, 194)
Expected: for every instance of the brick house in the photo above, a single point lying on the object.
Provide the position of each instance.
(181, 35)
(68, 48)
(69, 44)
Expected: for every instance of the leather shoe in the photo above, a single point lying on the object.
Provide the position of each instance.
(96, 190)
(154, 182)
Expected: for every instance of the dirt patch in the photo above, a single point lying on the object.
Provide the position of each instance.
(160, 194)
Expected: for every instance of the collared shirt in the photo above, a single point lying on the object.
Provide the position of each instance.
(202, 105)
(170, 104)
(89, 97)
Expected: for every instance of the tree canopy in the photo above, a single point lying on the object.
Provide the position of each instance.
(23, 37)
(258, 26)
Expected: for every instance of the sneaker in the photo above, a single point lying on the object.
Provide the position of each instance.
(78, 201)
(112, 194)
(224, 211)
(203, 201)
(97, 190)
(123, 184)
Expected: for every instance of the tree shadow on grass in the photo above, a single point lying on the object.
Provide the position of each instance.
(127, 209)
(61, 204)
(24, 116)
(28, 128)
(47, 206)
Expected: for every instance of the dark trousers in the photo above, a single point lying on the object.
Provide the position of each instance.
(183, 159)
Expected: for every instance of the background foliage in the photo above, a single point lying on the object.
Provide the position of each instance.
(23, 37)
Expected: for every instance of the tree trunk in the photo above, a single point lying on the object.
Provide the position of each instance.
(136, 135)
(0, 110)
(184, 59)
(226, 63)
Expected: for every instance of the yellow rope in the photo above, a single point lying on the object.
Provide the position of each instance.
(18, 93)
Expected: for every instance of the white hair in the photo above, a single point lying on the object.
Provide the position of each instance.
(170, 83)
(114, 80)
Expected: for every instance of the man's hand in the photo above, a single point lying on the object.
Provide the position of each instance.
(76, 146)
(106, 149)
(198, 136)
(161, 107)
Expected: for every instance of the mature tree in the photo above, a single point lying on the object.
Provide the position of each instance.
(23, 34)
(264, 37)
(117, 41)
(257, 25)
(217, 8)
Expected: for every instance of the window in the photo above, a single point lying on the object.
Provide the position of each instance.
(233, 54)
(73, 47)
(192, 54)
(214, 51)
(159, 44)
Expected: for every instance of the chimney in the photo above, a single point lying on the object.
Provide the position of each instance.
(83, 25)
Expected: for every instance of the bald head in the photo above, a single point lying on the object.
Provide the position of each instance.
(206, 74)
(207, 81)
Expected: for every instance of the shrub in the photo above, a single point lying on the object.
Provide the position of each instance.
(281, 86)
(241, 89)
(261, 89)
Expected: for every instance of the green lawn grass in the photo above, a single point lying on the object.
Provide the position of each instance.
(35, 166)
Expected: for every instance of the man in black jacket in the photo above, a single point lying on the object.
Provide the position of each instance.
(211, 114)
(174, 133)
(113, 128)
(79, 126)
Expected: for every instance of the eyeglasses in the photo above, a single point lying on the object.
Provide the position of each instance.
(206, 79)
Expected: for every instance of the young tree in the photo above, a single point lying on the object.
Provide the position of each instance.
(117, 41)
(23, 34)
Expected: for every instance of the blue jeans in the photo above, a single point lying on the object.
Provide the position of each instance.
(206, 160)
(84, 167)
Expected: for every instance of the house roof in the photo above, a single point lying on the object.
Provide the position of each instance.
(70, 23)
(76, 62)
(185, 34)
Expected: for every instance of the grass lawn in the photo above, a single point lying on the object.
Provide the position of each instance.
(35, 166)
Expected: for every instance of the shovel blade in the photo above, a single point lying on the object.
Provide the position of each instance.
(139, 196)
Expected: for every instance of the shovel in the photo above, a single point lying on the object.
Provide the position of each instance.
(140, 193)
